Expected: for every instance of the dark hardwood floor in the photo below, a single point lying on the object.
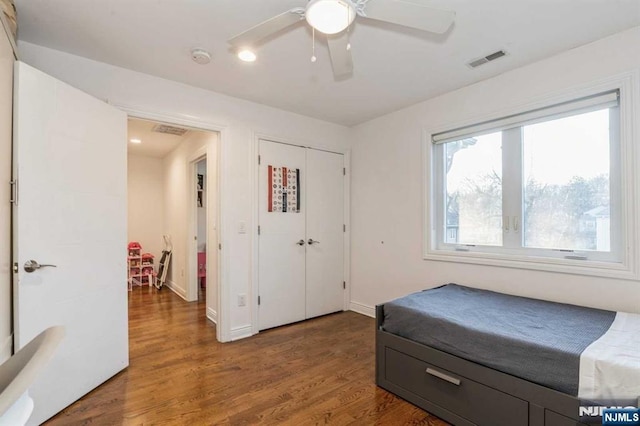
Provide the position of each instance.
(315, 372)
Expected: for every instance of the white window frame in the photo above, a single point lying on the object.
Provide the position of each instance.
(627, 192)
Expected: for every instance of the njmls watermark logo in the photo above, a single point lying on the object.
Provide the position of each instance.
(621, 416)
(610, 413)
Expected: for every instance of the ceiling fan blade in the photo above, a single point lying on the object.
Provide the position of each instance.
(341, 60)
(408, 14)
(266, 28)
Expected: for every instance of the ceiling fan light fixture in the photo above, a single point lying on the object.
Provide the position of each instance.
(330, 16)
(247, 55)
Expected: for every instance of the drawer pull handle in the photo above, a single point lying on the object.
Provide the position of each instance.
(443, 376)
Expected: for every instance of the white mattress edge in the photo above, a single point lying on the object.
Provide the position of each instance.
(610, 366)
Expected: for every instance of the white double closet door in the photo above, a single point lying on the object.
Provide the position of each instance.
(301, 251)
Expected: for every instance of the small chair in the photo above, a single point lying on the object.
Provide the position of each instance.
(19, 372)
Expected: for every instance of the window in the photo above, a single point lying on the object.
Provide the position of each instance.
(541, 186)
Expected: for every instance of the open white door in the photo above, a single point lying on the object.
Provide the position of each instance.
(70, 163)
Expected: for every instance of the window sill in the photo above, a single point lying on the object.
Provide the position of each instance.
(564, 266)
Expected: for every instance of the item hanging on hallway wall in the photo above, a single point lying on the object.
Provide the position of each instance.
(284, 190)
(200, 190)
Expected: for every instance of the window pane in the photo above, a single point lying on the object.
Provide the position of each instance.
(474, 190)
(566, 176)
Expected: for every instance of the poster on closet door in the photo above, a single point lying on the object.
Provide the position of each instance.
(284, 190)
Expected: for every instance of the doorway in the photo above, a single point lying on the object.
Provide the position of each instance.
(201, 229)
(173, 204)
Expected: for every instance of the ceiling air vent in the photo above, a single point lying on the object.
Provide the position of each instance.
(169, 130)
(492, 57)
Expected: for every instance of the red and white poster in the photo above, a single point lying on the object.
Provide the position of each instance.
(284, 190)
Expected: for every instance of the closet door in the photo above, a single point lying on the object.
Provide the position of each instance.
(325, 233)
(282, 241)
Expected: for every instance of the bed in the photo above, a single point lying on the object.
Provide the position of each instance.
(476, 357)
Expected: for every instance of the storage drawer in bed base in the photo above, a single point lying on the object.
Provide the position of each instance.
(483, 396)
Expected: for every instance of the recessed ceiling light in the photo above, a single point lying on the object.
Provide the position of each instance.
(246, 55)
(135, 140)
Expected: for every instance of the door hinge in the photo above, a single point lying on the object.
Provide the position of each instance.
(259, 159)
(14, 192)
(15, 267)
(219, 246)
(344, 285)
(344, 228)
(344, 171)
(258, 229)
(258, 300)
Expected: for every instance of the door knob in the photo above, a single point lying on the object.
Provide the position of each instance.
(300, 243)
(32, 265)
(312, 241)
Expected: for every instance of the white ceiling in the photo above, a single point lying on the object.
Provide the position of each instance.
(393, 68)
(153, 144)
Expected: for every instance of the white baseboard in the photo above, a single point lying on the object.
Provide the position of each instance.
(369, 311)
(177, 290)
(212, 315)
(241, 332)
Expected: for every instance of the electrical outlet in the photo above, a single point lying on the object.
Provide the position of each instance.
(242, 300)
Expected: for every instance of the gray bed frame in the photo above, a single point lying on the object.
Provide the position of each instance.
(462, 392)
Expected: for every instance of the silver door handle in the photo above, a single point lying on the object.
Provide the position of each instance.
(300, 243)
(32, 265)
(312, 241)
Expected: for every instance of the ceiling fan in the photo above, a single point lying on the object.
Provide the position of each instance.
(334, 17)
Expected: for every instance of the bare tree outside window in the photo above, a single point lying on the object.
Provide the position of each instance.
(474, 191)
(566, 186)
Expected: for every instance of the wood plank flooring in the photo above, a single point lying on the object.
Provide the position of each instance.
(315, 372)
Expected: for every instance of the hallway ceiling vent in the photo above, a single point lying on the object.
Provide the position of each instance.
(492, 57)
(169, 130)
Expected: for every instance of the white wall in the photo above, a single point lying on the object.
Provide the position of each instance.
(177, 181)
(386, 203)
(145, 203)
(241, 120)
(6, 107)
(211, 230)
